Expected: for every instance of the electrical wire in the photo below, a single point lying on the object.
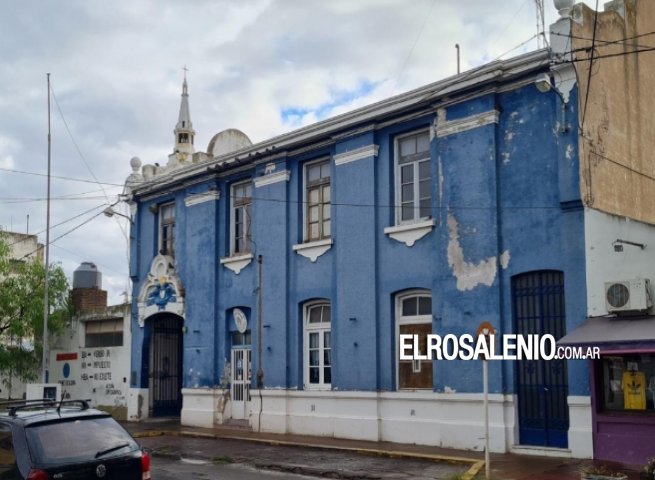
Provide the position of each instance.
(11, 170)
(70, 219)
(64, 234)
(411, 50)
(79, 151)
(605, 43)
(591, 61)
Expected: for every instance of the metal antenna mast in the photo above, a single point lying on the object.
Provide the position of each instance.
(541, 24)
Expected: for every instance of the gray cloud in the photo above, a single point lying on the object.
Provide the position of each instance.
(116, 71)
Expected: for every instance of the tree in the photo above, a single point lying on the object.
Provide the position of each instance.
(22, 290)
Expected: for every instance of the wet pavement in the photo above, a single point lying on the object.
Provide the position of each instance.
(299, 460)
(350, 459)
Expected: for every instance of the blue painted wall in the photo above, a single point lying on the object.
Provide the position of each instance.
(508, 186)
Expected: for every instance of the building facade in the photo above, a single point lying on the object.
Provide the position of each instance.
(90, 359)
(618, 187)
(294, 265)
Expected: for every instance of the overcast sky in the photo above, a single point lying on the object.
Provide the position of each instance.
(263, 66)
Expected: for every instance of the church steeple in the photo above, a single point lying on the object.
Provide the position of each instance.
(184, 132)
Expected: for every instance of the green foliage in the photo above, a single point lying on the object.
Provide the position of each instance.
(22, 290)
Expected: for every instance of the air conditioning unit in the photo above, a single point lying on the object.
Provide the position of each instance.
(628, 296)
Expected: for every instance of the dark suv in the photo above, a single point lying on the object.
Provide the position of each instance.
(48, 440)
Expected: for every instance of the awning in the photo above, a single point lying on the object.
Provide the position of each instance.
(614, 334)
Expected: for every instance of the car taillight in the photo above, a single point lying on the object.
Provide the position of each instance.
(145, 466)
(37, 475)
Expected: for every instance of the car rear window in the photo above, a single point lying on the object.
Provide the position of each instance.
(78, 439)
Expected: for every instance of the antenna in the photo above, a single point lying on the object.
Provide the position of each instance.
(457, 47)
(541, 24)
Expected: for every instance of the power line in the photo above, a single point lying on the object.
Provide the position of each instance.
(605, 42)
(79, 151)
(609, 55)
(616, 162)
(105, 267)
(62, 222)
(65, 233)
(591, 61)
(10, 200)
(11, 170)
(418, 36)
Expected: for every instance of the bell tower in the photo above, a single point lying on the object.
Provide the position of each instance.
(184, 132)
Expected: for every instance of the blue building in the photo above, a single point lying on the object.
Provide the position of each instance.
(428, 212)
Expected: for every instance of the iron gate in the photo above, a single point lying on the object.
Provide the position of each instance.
(542, 386)
(166, 366)
(241, 358)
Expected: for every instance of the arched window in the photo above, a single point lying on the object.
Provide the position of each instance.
(414, 317)
(318, 345)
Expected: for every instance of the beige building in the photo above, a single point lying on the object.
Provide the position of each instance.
(606, 58)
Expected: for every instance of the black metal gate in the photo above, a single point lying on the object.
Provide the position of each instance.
(542, 386)
(166, 366)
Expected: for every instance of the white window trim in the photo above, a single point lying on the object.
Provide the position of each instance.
(313, 250)
(307, 329)
(400, 320)
(396, 180)
(409, 234)
(160, 239)
(305, 204)
(232, 219)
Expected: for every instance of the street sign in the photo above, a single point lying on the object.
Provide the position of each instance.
(486, 330)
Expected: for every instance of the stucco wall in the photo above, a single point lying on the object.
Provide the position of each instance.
(604, 264)
(505, 202)
(99, 374)
(618, 131)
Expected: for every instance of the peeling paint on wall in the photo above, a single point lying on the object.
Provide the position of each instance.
(569, 152)
(506, 157)
(469, 275)
(440, 193)
(504, 259)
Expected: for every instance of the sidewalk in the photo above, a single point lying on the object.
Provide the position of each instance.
(471, 464)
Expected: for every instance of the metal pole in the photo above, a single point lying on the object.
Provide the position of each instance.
(457, 47)
(46, 303)
(485, 380)
(260, 370)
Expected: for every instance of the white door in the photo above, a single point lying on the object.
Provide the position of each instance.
(240, 383)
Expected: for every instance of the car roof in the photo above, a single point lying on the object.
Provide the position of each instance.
(40, 415)
(46, 410)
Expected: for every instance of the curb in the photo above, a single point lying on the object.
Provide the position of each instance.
(476, 464)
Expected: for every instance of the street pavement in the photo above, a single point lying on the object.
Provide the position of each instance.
(340, 458)
(171, 469)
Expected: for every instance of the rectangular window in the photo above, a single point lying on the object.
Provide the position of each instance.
(104, 333)
(317, 201)
(627, 382)
(241, 233)
(167, 229)
(413, 178)
(318, 346)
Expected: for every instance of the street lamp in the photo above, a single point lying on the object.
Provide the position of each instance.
(110, 212)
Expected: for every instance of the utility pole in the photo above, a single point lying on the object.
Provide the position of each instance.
(46, 303)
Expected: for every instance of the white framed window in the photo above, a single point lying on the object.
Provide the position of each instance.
(241, 218)
(318, 214)
(414, 317)
(167, 229)
(317, 345)
(413, 178)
